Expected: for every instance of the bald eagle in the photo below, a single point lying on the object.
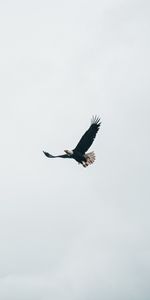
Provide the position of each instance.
(79, 152)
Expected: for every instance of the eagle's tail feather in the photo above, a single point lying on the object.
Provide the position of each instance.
(90, 158)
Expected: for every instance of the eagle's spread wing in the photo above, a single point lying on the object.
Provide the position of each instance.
(89, 136)
(54, 156)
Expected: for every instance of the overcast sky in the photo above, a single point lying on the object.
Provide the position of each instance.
(67, 232)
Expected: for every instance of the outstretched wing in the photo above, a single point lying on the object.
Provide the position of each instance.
(89, 136)
(54, 156)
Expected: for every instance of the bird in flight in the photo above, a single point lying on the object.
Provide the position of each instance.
(79, 152)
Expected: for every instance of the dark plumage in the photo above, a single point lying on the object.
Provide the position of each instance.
(79, 152)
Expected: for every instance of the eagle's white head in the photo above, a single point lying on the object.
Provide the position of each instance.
(68, 152)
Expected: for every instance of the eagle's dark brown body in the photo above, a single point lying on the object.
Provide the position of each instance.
(79, 152)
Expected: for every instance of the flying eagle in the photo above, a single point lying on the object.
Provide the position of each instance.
(79, 152)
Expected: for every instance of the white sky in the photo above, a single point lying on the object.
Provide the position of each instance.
(67, 232)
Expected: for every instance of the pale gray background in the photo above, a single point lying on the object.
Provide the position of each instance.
(67, 232)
